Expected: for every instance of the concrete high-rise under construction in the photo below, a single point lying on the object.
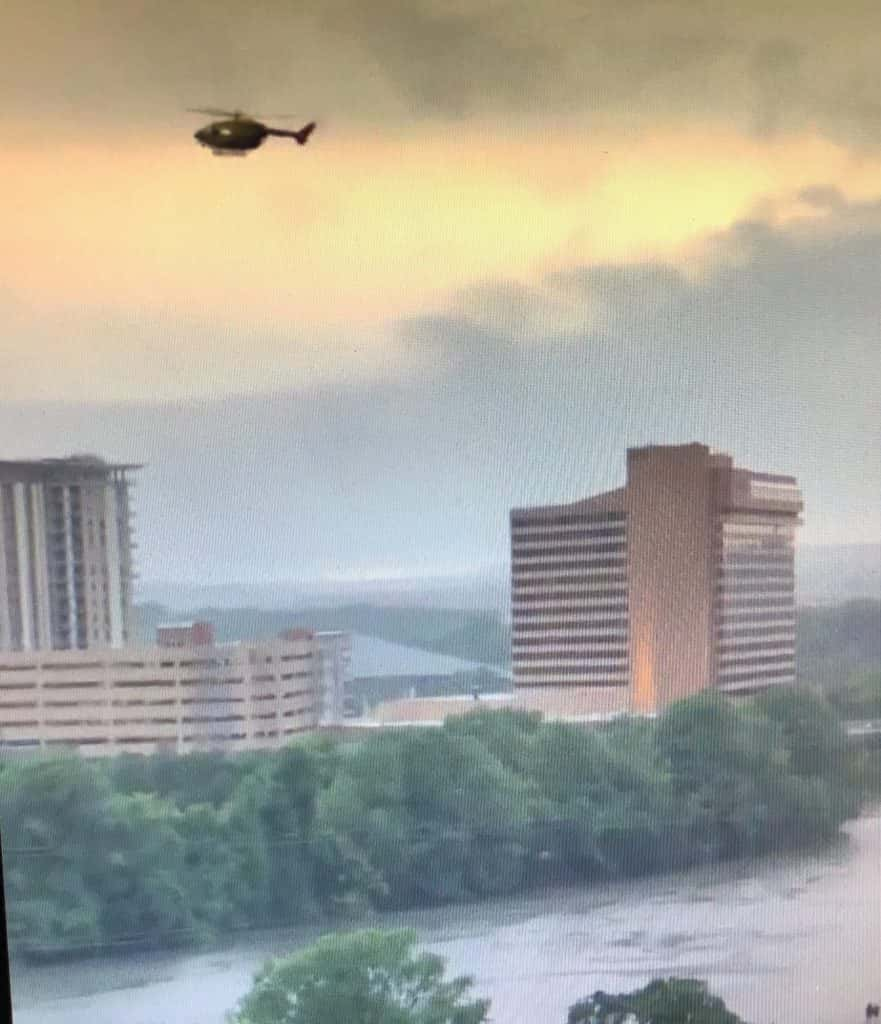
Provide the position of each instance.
(682, 579)
(65, 554)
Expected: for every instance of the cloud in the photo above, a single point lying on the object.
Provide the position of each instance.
(173, 356)
(801, 67)
(808, 274)
(775, 67)
(127, 264)
(767, 350)
(824, 197)
(770, 70)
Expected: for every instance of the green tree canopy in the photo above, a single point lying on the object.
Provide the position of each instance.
(366, 977)
(674, 1001)
(144, 851)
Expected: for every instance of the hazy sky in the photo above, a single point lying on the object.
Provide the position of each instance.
(523, 237)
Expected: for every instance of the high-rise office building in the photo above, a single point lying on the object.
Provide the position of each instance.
(65, 554)
(682, 579)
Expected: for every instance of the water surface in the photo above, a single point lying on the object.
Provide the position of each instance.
(781, 941)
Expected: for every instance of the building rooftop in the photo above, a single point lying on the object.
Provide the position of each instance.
(615, 501)
(560, 704)
(773, 478)
(607, 501)
(84, 463)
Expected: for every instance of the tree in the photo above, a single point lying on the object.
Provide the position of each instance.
(368, 977)
(56, 810)
(141, 876)
(859, 697)
(819, 757)
(143, 849)
(363, 831)
(288, 792)
(724, 763)
(674, 1001)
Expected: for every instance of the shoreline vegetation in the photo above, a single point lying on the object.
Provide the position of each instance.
(376, 975)
(139, 853)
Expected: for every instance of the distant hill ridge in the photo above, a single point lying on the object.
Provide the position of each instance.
(832, 641)
(834, 574)
(826, 574)
(837, 642)
(479, 636)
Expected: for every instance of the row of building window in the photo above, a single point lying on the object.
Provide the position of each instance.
(577, 676)
(575, 597)
(565, 518)
(584, 591)
(756, 556)
(757, 670)
(756, 656)
(770, 643)
(743, 604)
(765, 585)
(754, 571)
(553, 618)
(526, 579)
(572, 639)
(740, 627)
(538, 548)
(75, 723)
(525, 567)
(753, 601)
(612, 662)
(140, 702)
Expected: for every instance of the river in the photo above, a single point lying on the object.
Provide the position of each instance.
(794, 940)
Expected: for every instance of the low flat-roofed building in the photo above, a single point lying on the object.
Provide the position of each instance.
(102, 702)
(560, 704)
(185, 634)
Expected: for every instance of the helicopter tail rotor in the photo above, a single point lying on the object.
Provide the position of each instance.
(302, 136)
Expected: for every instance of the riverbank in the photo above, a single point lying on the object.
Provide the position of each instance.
(791, 939)
(140, 853)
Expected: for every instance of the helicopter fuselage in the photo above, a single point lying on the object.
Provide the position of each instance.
(228, 137)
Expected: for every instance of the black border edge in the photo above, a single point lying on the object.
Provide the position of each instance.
(5, 974)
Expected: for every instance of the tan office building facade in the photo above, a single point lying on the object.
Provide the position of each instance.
(228, 697)
(682, 579)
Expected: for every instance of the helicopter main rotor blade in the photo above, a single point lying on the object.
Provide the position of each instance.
(215, 112)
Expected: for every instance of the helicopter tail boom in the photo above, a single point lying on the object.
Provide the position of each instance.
(301, 135)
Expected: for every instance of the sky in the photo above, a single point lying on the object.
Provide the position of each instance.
(522, 238)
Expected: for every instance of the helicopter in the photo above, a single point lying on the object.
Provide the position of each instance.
(239, 133)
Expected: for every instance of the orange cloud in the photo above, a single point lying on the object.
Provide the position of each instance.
(356, 230)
